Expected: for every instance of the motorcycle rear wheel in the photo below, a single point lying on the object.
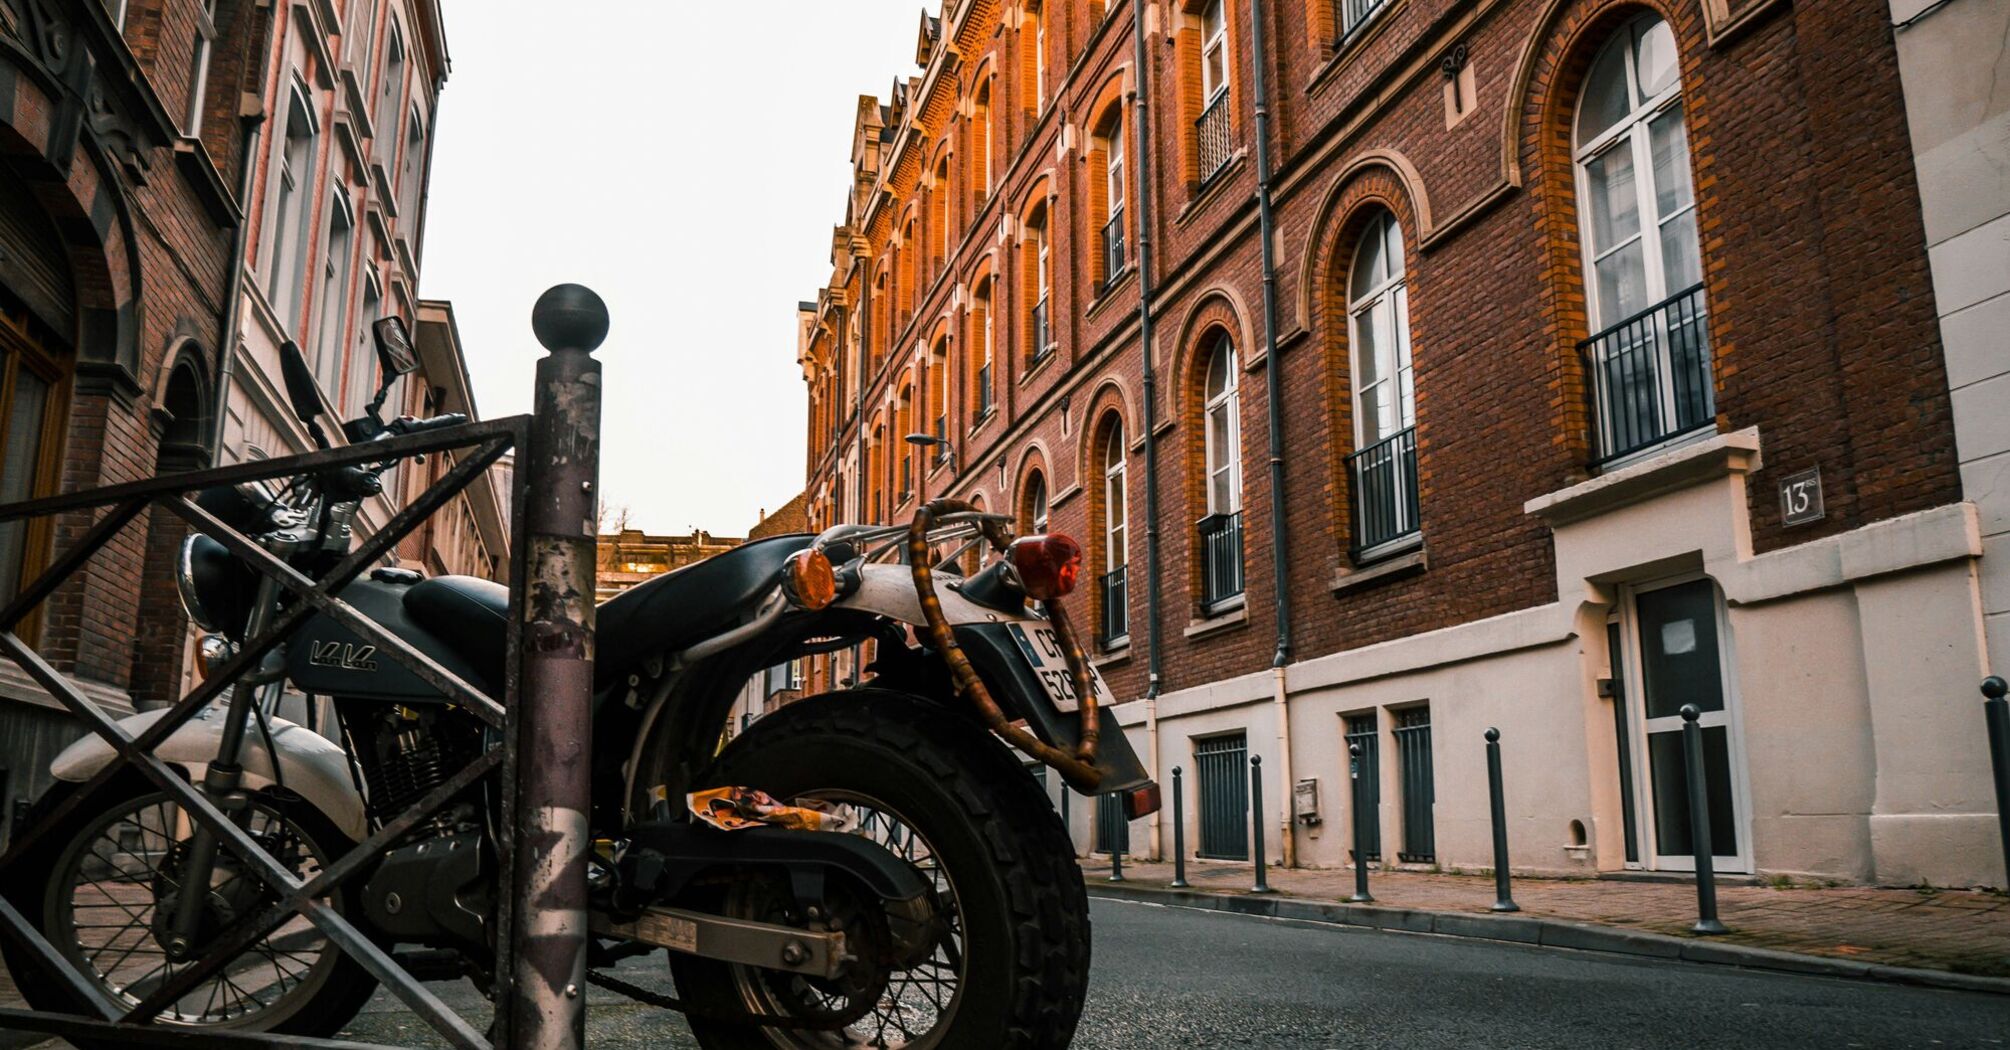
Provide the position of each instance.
(1013, 966)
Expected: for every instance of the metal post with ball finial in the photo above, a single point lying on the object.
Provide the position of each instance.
(560, 475)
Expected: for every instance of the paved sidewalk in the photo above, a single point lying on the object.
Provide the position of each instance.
(1956, 931)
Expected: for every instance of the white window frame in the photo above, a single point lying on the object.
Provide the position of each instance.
(1385, 307)
(1038, 513)
(1214, 37)
(333, 300)
(198, 86)
(293, 184)
(1219, 460)
(1113, 190)
(1632, 132)
(1116, 503)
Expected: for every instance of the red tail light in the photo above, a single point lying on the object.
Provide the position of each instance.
(1047, 565)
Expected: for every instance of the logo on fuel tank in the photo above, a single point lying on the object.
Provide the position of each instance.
(346, 656)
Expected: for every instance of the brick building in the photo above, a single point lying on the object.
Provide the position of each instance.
(1593, 371)
(121, 130)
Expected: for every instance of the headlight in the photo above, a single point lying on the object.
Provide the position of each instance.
(184, 579)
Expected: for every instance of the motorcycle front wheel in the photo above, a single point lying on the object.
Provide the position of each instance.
(102, 893)
(1010, 964)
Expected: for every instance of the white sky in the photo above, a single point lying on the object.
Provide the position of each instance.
(687, 160)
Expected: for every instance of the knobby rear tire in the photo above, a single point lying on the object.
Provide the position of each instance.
(1019, 888)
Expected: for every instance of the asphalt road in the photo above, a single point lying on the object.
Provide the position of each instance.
(1168, 977)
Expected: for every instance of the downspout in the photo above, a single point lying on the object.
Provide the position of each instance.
(1141, 174)
(1274, 395)
(233, 286)
(860, 364)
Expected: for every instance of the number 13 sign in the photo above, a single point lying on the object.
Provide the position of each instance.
(1801, 497)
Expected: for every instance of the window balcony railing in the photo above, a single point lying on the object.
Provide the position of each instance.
(1113, 246)
(1114, 625)
(1043, 331)
(1213, 131)
(1385, 493)
(984, 398)
(1650, 377)
(1353, 13)
(1221, 558)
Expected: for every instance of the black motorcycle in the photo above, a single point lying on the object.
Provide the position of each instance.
(905, 881)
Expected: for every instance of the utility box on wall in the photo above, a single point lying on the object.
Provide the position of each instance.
(1305, 801)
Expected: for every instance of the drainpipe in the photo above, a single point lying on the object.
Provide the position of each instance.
(1274, 394)
(1141, 174)
(860, 364)
(233, 286)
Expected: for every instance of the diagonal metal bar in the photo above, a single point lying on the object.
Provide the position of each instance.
(13, 922)
(429, 671)
(260, 863)
(51, 578)
(249, 656)
(260, 470)
(233, 942)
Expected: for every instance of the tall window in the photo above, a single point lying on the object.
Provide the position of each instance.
(1214, 50)
(938, 398)
(358, 35)
(30, 378)
(1650, 357)
(1040, 61)
(333, 298)
(390, 92)
(1116, 520)
(1035, 513)
(980, 162)
(363, 377)
(985, 374)
(410, 168)
(1221, 530)
(1114, 254)
(938, 216)
(1383, 467)
(291, 212)
(1040, 333)
(198, 80)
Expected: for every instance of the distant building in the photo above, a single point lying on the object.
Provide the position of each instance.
(789, 518)
(628, 557)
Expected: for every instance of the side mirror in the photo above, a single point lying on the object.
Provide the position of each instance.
(301, 389)
(394, 348)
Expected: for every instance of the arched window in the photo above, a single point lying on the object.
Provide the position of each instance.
(1039, 257)
(983, 373)
(1221, 529)
(1111, 143)
(980, 157)
(938, 216)
(31, 413)
(1033, 510)
(1114, 586)
(1642, 263)
(938, 396)
(1383, 467)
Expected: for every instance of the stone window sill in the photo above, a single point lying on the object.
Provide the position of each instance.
(1715, 456)
(1389, 567)
(1216, 623)
(1113, 657)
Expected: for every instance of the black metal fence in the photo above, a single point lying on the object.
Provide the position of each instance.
(1651, 377)
(1221, 557)
(1043, 330)
(1385, 491)
(1413, 760)
(1367, 802)
(1115, 622)
(1355, 12)
(1113, 246)
(1221, 767)
(1213, 132)
(1113, 832)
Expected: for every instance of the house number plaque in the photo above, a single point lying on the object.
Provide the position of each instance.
(1801, 497)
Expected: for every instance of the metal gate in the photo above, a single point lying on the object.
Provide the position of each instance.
(1113, 832)
(1222, 767)
(1413, 759)
(1366, 798)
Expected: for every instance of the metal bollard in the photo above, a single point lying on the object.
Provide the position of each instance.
(1503, 897)
(1361, 894)
(1699, 825)
(562, 466)
(1256, 823)
(1996, 712)
(1179, 832)
(1119, 838)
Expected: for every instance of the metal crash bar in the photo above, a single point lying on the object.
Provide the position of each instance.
(541, 765)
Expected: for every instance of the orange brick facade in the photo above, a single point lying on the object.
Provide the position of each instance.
(1822, 325)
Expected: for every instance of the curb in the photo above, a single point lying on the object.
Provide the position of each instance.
(1546, 933)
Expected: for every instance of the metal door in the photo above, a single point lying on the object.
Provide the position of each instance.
(1222, 767)
(1365, 793)
(1413, 760)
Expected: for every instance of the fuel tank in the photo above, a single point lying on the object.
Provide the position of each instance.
(329, 659)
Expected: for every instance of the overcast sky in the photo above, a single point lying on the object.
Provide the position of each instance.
(687, 160)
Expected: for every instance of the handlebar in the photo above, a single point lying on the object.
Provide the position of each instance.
(412, 425)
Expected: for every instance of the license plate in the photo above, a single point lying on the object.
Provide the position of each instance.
(1042, 650)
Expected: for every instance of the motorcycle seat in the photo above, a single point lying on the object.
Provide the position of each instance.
(671, 611)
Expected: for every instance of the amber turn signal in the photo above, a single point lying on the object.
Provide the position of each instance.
(1047, 565)
(809, 581)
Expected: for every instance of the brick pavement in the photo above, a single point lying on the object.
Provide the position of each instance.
(1960, 931)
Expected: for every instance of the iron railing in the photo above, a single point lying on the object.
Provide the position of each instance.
(1413, 759)
(1353, 13)
(1213, 131)
(1650, 377)
(1221, 773)
(1113, 246)
(1221, 557)
(1043, 331)
(1385, 491)
(1367, 804)
(984, 399)
(1115, 622)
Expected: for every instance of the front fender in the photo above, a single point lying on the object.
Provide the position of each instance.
(310, 764)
